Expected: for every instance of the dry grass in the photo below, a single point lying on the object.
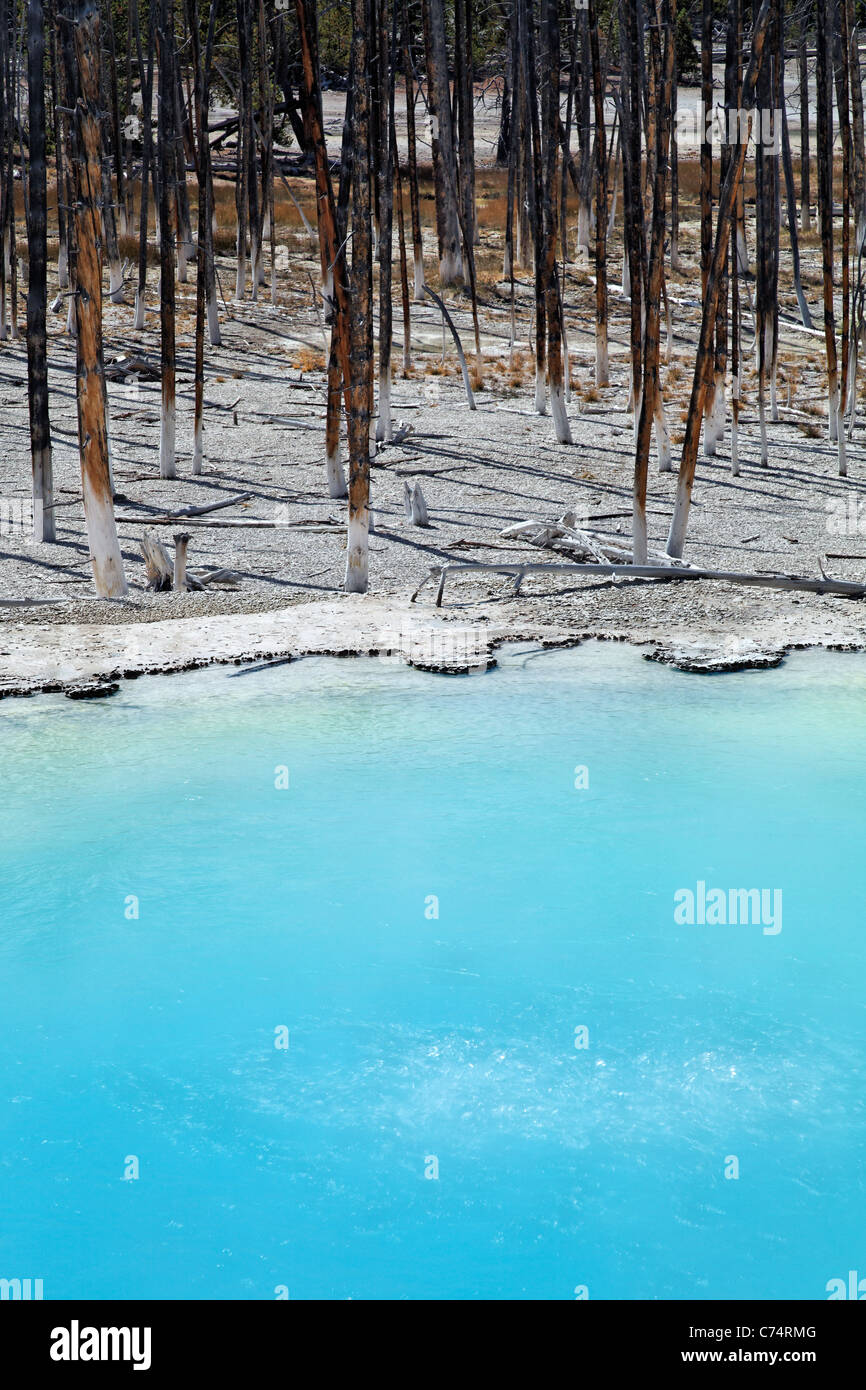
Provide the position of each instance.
(306, 359)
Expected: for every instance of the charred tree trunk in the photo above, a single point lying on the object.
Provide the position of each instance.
(442, 138)
(703, 361)
(805, 170)
(384, 80)
(824, 144)
(535, 184)
(602, 369)
(81, 54)
(464, 81)
(843, 103)
(662, 62)
(201, 77)
(166, 122)
(633, 207)
(550, 221)
(243, 147)
(331, 237)
(412, 162)
(146, 80)
(361, 325)
(37, 286)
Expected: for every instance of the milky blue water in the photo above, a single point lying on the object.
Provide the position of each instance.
(432, 1130)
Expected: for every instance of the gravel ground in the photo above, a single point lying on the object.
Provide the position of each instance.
(480, 471)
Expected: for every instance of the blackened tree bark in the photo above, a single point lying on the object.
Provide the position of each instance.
(361, 323)
(602, 370)
(37, 288)
(704, 358)
(166, 128)
(412, 160)
(442, 133)
(81, 60)
(384, 174)
(662, 63)
(550, 220)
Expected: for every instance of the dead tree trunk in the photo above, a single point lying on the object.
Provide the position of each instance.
(245, 130)
(707, 163)
(602, 369)
(703, 361)
(166, 122)
(550, 220)
(733, 85)
(331, 238)
(37, 288)
(384, 173)
(535, 183)
(824, 144)
(412, 161)
(464, 82)
(442, 138)
(146, 81)
(662, 61)
(633, 208)
(843, 103)
(805, 170)
(116, 143)
(81, 53)
(201, 79)
(361, 323)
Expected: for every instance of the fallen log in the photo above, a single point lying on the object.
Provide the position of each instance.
(841, 587)
(565, 538)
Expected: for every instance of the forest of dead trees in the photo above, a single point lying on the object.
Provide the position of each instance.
(107, 132)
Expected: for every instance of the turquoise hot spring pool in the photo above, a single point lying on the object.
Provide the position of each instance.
(342, 980)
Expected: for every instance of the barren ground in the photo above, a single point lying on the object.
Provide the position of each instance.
(480, 471)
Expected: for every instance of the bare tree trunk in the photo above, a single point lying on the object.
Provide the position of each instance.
(663, 72)
(243, 158)
(733, 86)
(843, 103)
(707, 172)
(727, 202)
(401, 235)
(331, 236)
(533, 137)
(858, 142)
(676, 264)
(146, 80)
(824, 142)
(60, 161)
(166, 96)
(412, 166)
(553, 302)
(791, 196)
(81, 54)
(633, 207)
(37, 287)
(464, 81)
(602, 368)
(116, 143)
(201, 77)
(805, 171)
(361, 364)
(442, 134)
(384, 76)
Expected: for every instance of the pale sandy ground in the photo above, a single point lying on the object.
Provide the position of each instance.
(480, 471)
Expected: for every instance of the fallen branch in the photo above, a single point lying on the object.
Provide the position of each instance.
(841, 587)
(565, 538)
(457, 343)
